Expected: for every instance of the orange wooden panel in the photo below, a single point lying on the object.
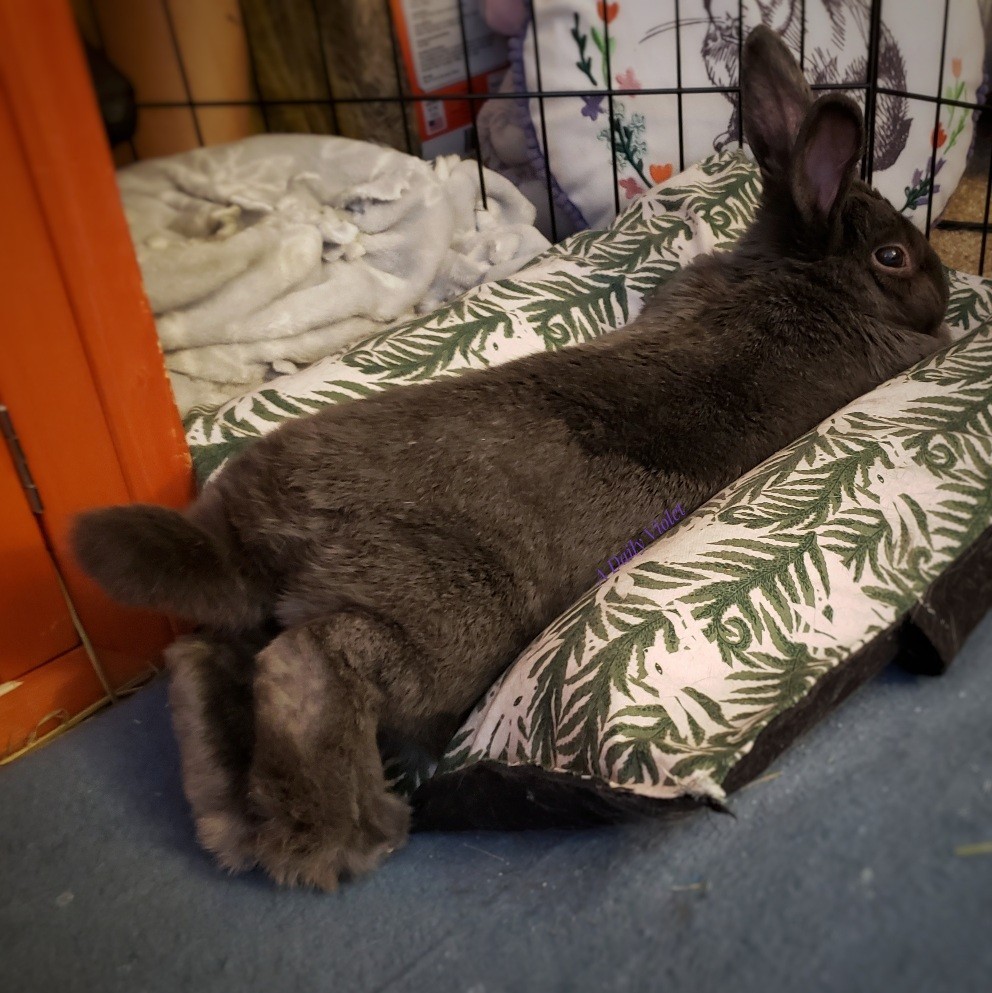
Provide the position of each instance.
(46, 698)
(44, 72)
(46, 383)
(82, 368)
(35, 625)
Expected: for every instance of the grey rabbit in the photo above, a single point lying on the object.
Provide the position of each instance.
(384, 560)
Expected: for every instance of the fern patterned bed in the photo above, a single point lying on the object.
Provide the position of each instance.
(684, 673)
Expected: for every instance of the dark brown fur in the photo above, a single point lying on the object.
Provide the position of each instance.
(411, 544)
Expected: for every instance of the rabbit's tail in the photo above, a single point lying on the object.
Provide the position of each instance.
(154, 557)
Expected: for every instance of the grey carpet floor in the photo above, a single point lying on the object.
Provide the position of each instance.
(842, 873)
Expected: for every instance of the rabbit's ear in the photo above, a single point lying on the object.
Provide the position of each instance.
(774, 100)
(826, 156)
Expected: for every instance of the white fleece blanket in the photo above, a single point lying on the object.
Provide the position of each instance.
(269, 253)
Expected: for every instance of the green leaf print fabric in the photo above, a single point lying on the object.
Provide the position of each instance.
(660, 679)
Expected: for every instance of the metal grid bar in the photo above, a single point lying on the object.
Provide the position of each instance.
(535, 94)
(398, 72)
(472, 109)
(612, 116)
(544, 126)
(177, 48)
(936, 122)
(678, 82)
(323, 64)
(737, 89)
(802, 36)
(985, 219)
(944, 101)
(538, 94)
(261, 102)
(871, 96)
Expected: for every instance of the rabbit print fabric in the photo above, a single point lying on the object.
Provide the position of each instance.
(642, 55)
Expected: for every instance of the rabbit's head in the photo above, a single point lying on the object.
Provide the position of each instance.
(815, 211)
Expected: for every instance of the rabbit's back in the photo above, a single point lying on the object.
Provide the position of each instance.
(474, 510)
(485, 503)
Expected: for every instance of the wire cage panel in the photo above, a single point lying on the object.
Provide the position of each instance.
(608, 97)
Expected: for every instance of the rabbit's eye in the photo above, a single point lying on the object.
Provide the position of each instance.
(890, 256)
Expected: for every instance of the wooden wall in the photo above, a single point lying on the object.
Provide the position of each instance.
(211, 71)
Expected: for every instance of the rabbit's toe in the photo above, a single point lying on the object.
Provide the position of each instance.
(325, 854)
(229, 837)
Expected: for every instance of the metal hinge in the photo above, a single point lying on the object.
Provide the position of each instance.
(20, 462)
